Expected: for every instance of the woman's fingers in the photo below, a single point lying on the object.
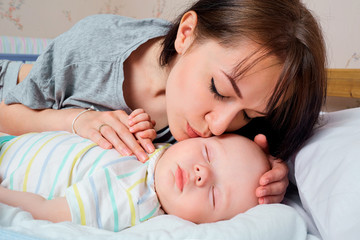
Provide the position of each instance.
(271, 199)
(111, 129)
(97, 138)
(273, 189)
(273, 183)
(278, 172)
(261, 141)
(123, 140)
(146, 144)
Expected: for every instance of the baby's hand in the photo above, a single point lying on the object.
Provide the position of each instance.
(141, 125)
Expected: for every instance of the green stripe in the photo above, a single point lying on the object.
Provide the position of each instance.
(60, 169)
(22, 159)
(150, 214)
(96, 162)
(131, 173)
(113, 203)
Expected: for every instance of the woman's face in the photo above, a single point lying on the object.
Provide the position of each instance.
(202, 98)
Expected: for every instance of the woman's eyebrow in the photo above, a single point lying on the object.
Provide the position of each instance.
(233, 84)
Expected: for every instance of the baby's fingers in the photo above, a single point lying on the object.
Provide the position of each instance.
(136, 112)
(141, 117)
(147, 134)
(141, 126)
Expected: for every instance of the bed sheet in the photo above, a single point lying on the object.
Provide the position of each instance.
(275, 221)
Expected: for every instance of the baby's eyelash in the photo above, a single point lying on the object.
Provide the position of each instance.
(213, 89)
(213, 195)
(207, 154)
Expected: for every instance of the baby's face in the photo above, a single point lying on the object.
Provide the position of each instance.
(209, 179)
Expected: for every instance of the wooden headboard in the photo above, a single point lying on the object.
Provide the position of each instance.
(343, 83)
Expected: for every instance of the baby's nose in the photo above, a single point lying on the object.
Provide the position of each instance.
(202, 175)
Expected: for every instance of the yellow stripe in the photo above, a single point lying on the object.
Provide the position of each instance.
(132, 208)
(159, 149)
(26, 177)
(81, 205)
(17, 139)
(76, 158)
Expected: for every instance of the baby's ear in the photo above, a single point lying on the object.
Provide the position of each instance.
(186, 32)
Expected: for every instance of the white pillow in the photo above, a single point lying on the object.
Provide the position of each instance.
(327, 174)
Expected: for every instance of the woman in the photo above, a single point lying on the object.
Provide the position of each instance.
(222, 64)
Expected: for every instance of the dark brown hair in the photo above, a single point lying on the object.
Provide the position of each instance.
(285, 29)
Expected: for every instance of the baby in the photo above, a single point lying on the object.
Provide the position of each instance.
(59, 176)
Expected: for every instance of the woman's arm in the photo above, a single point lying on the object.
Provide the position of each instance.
(23, 72)
(18, 119)
(56, 210)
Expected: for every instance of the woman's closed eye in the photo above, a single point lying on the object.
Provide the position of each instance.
(246, 117)
(214, 90)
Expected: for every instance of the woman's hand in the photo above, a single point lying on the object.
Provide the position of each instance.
(273, 183)
(128, 134)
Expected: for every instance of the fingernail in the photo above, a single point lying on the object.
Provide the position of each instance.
(107, 146)
(131, 129)
(143, 157)
(265, 181)
(263, 192)
(150, 148)
(126, 152)
(261, 200)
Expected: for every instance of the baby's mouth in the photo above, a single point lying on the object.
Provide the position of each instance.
(180, 178)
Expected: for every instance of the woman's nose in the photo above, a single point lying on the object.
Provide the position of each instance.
(202, 175)
(219, 121)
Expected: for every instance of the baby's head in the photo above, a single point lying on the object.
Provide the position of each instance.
(210, 179)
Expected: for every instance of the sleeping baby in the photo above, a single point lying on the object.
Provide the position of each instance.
(58, 176)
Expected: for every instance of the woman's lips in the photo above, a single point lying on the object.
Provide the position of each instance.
(191, 132)
(180, 178)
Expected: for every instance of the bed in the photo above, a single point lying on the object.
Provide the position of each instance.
(320, 204)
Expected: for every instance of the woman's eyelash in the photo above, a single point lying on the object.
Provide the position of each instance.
(246, 117)
(213, 89)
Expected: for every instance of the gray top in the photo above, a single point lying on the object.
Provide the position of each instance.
(83, 67)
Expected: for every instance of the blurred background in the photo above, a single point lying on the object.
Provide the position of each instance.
(340, 21)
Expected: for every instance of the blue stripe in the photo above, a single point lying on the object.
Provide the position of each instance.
(61, 168)
(146, 195)
(122, 159)
(97, 160)
(96, 199)
(14, 155)
(23, 157)
(133, 172)
(48, 158)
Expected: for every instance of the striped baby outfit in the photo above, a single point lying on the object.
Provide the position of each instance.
(103, 188)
